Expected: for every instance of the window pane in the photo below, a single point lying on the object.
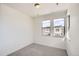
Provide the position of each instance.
(59, 22)
(46, 23)
(46, 31)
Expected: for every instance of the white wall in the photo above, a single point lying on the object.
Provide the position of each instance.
(48, 40)
(73, 41)
(16, 30)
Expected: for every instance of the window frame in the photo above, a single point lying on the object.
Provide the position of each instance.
(63, 26)
(42, 28)
(52, 27)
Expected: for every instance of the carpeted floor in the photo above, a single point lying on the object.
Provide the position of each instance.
(39, 50)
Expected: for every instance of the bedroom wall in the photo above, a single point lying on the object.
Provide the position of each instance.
(73, 40)
(16, 30)
(48, 40)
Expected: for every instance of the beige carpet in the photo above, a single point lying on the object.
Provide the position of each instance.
(39, 50)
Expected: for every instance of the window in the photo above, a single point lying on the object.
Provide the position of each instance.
(46, 27)
(56, 24)
(59, 27)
